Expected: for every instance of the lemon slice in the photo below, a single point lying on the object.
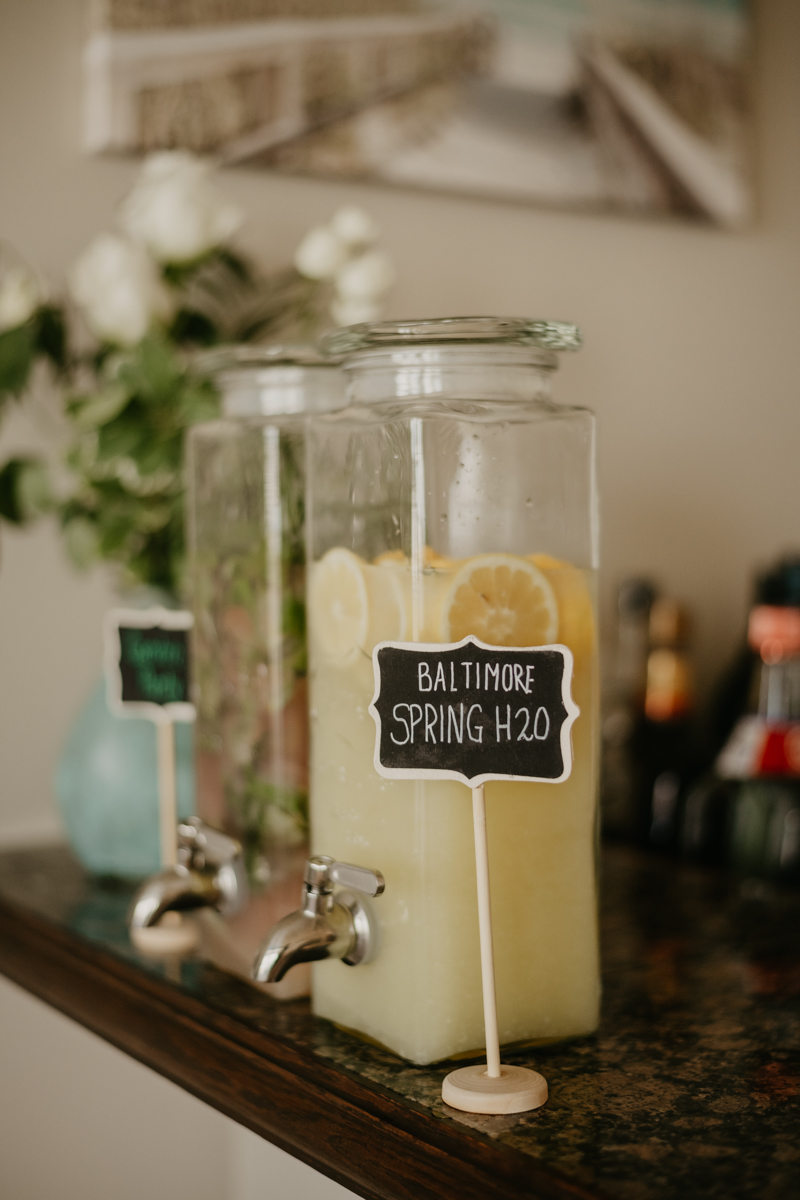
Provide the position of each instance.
(438, 562)
(352, 606)
(388, 592)
(337, 604)
(433, 583)
(576, 626)
(435, 588)
(501, 599)
(431, 558)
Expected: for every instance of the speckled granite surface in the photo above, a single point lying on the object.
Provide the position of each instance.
(691, 1088)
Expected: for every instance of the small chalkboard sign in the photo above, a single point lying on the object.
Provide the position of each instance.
(147, 663)
(473, 712)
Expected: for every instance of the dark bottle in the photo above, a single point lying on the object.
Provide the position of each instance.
(664, 743)
(623, 707)
(746, 809)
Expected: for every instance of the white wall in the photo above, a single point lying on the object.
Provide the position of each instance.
(690, 356)
(80, 1120)
(690, 362)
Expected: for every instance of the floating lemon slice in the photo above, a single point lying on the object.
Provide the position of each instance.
(337, 604)
(431, 558)
(575, 611)
(388, 596)
(429, 587)
(392, 557)
(352, 606)
(501, 599)
(438, 561)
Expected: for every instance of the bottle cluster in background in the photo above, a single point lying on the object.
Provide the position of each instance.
(719, 785)
(649, 726)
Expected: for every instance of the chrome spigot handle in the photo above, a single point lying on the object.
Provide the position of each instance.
(210, 873)
(321, 872)
(197, 839)
(327, 925)
(360, 879)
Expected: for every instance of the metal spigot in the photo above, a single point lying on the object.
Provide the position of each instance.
(325, 926)
(210, 873)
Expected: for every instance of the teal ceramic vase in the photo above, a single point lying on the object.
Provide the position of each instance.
(107, 788)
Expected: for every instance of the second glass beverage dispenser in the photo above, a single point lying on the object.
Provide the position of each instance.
(454, 497)
(247, 579)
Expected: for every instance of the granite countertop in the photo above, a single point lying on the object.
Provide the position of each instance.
(689, 1088)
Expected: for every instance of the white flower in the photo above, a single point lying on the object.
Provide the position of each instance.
(365, 278)
(175, 211)
(354, 226)
(320, 254)
(354, 312)
(20, 296)
(118, 287)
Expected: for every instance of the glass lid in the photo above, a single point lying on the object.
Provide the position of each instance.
(256, 358)
(272, 381)
(517, 331)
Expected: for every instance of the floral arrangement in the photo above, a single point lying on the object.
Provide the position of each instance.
(168, 283)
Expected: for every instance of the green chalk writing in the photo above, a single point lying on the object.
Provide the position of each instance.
(144, 651)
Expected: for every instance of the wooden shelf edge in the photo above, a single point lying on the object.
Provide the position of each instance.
(364, 1139)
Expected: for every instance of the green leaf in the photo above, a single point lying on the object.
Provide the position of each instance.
(123, 437)
(194, 328)
(197, 401)
(34, 490)
(238, 266)
(51, 336)
(100, 407)
(158, 457)
(294, 617)
(9, 499)
(17, 352)
(178, 274)
(153, 372)
(24, 490)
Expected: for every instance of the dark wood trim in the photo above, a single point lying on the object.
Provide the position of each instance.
(363, 1137)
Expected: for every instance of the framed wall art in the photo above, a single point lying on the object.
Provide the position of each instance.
(632, 105)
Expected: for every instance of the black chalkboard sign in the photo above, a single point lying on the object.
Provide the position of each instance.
(147, 663)
(473, 712)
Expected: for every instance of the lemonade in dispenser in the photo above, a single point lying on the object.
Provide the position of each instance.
(454, 497)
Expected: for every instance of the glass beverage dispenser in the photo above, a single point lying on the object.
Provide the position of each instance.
(246, 571)
(454, 497)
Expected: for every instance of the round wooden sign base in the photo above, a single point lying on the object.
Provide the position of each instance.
(472, 1090)
(166, 939)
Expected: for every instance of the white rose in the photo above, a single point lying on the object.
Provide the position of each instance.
(320, 254)
(354, 226)
(354, 312)
(174, 209)
(365, 278)
(119, 289)
(20, 296)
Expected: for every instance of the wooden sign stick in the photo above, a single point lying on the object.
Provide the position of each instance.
(485, 925)
(167, 798)
(493, 1088)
